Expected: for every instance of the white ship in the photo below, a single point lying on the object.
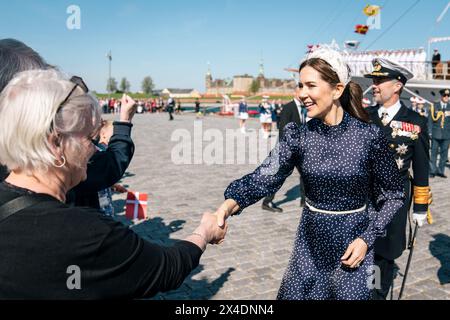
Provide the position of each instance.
(428, 79)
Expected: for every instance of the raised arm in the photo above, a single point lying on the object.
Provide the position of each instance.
(107, 168)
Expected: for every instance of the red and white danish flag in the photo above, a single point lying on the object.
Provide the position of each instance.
(136, 205)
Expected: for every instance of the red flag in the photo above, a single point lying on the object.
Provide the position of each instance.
(136, 205)
(361, 28)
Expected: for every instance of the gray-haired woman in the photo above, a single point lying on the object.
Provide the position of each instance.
(48, 122)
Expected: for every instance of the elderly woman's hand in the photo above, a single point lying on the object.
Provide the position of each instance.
(209, 230)
(127, 109)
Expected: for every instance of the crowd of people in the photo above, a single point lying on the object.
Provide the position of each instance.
(153, 105)
(269, 115)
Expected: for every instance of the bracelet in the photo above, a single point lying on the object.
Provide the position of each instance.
(201, 236)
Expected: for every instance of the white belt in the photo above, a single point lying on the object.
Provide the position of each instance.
(335, 212)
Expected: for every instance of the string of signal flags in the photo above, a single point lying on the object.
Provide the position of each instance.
(370, 11)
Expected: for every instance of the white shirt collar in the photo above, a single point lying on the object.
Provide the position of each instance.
(299, 108)
(391, 111)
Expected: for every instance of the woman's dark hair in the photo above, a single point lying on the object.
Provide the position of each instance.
(351, 98)
(15, 56)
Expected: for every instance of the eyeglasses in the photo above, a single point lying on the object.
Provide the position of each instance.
(78, 81)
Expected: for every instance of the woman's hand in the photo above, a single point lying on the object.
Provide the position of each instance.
(355, 254)
(226, 209)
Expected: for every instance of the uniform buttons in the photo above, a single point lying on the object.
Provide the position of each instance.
(392, 146)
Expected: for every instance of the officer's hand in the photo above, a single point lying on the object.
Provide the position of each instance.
(419, 218)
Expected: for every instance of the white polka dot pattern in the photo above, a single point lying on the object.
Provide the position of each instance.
(343, 168)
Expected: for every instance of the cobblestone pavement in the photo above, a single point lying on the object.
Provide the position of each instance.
(252, 260)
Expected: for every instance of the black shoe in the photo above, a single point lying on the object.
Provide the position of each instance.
(441, 175)
(271, 207)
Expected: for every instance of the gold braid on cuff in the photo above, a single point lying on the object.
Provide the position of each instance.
(423, 195)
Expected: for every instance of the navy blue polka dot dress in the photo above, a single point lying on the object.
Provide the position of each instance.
(344, 167)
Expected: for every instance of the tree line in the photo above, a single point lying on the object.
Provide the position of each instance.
(147, 85)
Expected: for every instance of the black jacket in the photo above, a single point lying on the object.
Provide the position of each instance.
(3, 173)
(417, 145)
(290, 114)
(105, 168)
(410, 149)
(39, 245)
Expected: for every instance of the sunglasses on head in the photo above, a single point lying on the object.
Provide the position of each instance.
(78, 81)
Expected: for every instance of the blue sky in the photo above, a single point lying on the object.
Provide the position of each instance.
(172, 40)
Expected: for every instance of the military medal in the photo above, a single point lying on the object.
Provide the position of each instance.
(396, 127)
(402, 149)
(394, 132)
(384, 119)
(405, 129)
(400, 163)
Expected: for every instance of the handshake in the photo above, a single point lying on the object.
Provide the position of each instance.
(213, 226)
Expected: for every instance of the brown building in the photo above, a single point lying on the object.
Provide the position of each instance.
(241, 85)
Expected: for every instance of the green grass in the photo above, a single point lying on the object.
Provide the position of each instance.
(233, 98)
(119, 95)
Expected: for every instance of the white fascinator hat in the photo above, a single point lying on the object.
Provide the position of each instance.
(335, 59)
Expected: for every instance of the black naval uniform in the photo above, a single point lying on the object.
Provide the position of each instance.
(440, 135)
(411, 148)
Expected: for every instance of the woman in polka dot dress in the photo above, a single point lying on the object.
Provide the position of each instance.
(352, 185)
